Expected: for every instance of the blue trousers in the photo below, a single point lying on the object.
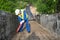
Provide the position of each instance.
(27, 25)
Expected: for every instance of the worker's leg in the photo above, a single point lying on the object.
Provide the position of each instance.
(27, 26)
(21, 28)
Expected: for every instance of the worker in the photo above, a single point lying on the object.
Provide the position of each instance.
(23, 18)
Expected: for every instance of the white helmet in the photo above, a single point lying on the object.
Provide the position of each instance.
(17, 11)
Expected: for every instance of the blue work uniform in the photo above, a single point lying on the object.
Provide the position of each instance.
(24, 17)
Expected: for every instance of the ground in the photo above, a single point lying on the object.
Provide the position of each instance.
(38, 32)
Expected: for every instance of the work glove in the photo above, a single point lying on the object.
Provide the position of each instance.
(22, 22)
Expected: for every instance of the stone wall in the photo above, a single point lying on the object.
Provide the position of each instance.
(51, 22)
(8, 25)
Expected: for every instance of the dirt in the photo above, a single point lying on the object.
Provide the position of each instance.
(38, 32)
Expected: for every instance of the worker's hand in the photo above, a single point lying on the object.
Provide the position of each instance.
(22, 22)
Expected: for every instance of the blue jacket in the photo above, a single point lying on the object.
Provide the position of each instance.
(23, 16)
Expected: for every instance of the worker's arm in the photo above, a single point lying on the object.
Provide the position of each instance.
(19, 19)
